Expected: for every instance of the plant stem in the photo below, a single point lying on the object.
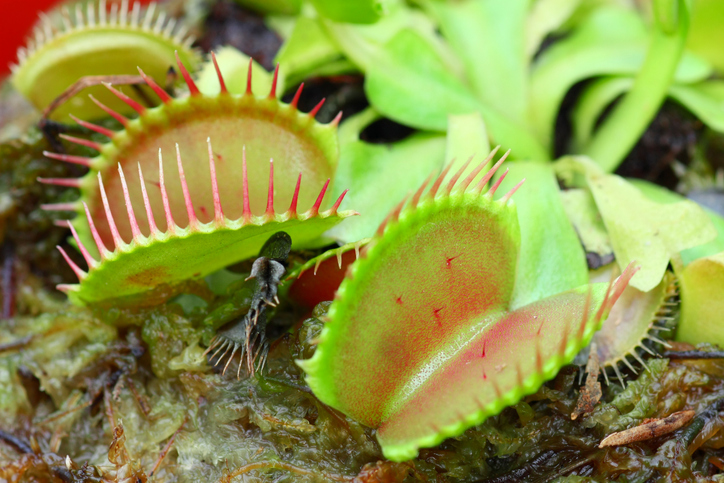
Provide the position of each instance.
(622, 129)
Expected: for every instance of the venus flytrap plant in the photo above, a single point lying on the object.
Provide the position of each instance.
(700, 272)
(135, 258)
(271, 131)
(410, 77)
(397, 169)
(98, 42)
(638, 323)
(422, 340)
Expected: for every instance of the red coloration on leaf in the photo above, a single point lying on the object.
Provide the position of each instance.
(454, 352)
(267, 127)
(310, 289)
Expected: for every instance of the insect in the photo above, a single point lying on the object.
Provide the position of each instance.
(247, 336)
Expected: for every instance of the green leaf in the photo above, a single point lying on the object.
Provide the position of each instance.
(645, 231)
(352, 11)
(411, 85)
(282, 7)
(544, 18)
(308, 48)
(610, 41)
(624, 125)
(551, 257)
(706, 36)
(700, 273)
(368, 170)
(702, 305)
(581, 210)
(593, 101)
(705, 100)
(420, 336)
(662, 195)
(235, 66)
(487, 37)
(467, 137)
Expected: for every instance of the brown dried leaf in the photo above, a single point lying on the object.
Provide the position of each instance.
(591, 393)
(649, 429)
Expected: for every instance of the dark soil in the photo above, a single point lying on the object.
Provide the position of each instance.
(564, 126)
(385, 131)
(671, 136)
(30, 235)
(230, 24)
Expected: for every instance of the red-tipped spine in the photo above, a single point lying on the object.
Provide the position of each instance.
(620, 285)
(584, 317)
(218, 212)
(118, 117)
(135, 230)
(270, 193)
(59, 207)
(337, 118)
(92, 263)
(76, 269)
(93, 127)
(149, 212)
(68, 182)
(69, 158)
(163, 95)
(418, 194)
(170, 224)
(314, 210)
(222, 84)
(297, 94)
(484, 180)
(193, 221)
(436, 185)
(456, 176)
(246, 214)
(393, 216)
(83, 142)
(335, 206)
(469, 179)
(94, 233)
(131, 103)
(494, 188)
(275, 78)
(193, 90)
(316, 108)
(117, 240)
(510, 193)
(248, 77)
(295, 198)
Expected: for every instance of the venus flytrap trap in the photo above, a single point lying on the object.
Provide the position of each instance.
(318, 279)
(135, 259)
(700, 274)
(99, 41)
(430, 351)
(272, 131)
(638, 326)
